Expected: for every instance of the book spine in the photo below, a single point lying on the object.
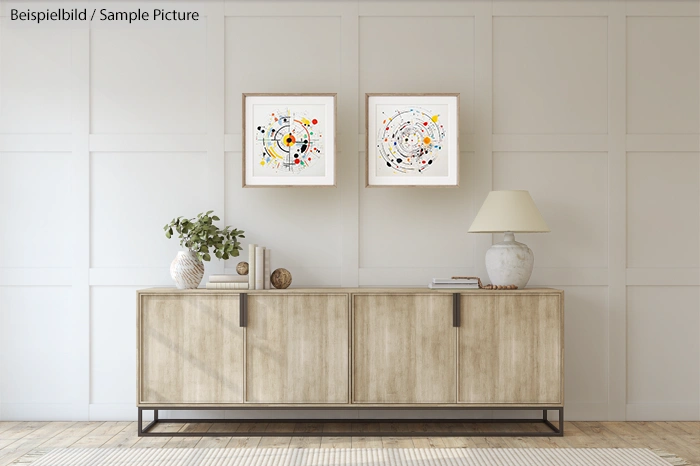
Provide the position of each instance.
(251, 266)
(267, 269)
(259, 267)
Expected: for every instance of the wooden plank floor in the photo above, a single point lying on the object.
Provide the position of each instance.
(20, 438)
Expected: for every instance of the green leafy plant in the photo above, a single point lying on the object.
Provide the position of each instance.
(200, 234)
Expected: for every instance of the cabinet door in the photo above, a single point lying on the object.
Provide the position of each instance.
(403, 349)
(297, 348)
(190, 349)
(510, 349)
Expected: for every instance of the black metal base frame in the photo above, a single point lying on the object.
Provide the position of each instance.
(555, 431)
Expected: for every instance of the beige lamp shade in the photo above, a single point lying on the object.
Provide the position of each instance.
(513, 211)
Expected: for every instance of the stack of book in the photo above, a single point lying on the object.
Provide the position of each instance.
(454, 283)
(228, 282)
(258, 267)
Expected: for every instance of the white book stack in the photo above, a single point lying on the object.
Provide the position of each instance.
(227, 282)
(454, 283)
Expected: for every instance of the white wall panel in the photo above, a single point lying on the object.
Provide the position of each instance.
(570, 191)
(35, 208)
(133, 195)
(550, 75)
(416, 55)
(112, 344)
(34, 80)
(663, 71)
(300, 225)
(586, 336)
(279, 54)
(587, 352)
(37, 353)
(418, 227)
(663, 225)
(663, 346)
(148, 80)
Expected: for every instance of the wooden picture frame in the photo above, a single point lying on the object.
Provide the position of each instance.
(289, 140)
(412, 140)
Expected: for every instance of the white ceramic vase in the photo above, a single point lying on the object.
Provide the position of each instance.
(187, 270)
(509, 262)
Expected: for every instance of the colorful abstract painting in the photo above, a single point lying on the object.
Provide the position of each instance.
(289, 140)
(412, 140)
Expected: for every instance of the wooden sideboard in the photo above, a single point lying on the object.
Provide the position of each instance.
(350, 348)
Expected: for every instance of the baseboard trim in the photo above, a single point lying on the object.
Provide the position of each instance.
(116, 412)
(663, 411)
(43, 412)
(586, 411)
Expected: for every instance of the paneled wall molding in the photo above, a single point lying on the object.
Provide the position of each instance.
(662, 411)
(562, 98)
(78, 338)
(33, 276)
(617, 205)
(686, 8)
(663, 276)
(550, 142)
(663, 143)
(148, 142)
(545, 8)
(36, 143)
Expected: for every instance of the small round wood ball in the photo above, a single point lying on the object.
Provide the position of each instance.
(281, 279)
(242, 268)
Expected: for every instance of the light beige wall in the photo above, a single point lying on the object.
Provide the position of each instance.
(592, 105)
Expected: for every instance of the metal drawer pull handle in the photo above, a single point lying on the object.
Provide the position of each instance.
(455, 310)
(243, 309)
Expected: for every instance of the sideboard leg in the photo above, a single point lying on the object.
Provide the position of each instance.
(144, 431)
(561, 421)
(557, 431)
(140, 422)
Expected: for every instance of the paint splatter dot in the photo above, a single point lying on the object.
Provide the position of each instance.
(296, 161)
(435, 118)
(314, 121)
(426, 140)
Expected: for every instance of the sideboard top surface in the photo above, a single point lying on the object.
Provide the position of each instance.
(365, 290)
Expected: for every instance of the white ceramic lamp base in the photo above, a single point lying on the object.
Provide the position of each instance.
(509, 262)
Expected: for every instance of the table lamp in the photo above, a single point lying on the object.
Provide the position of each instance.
(509, 212)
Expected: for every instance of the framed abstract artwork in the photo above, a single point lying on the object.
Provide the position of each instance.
(289, 140)
(412, 140)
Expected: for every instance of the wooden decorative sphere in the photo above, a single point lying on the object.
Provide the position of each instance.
(242, 268)
(281, 279)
